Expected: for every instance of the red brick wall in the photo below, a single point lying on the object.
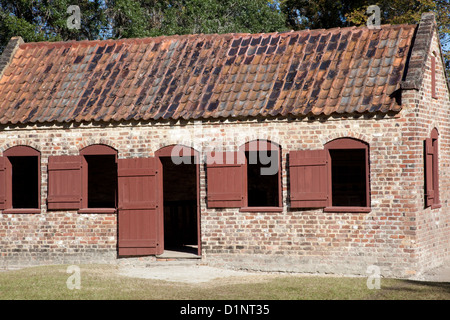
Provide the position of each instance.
(432, 226)
(304, 240)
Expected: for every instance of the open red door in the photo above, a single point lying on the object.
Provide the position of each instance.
(140, 218)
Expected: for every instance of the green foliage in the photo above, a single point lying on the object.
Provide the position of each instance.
(302, 14)
(165, 17)
(46, 20)
(318, 14)
(407, 11)
(212, 16)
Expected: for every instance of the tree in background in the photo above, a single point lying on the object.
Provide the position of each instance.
(46, 20)
(407, 11)
(168, 17)
(318, 14)
(307, 14)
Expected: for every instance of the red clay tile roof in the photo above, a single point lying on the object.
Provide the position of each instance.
(317, 72)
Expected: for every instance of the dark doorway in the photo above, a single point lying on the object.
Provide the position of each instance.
(180, 205)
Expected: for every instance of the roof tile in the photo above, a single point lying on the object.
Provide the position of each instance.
(206, 76)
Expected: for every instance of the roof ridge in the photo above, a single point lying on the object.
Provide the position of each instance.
(25, 45)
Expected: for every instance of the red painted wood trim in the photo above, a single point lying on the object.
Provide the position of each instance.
(18, 210)
(347, 209)
(160, 205)
(431, 160)
(348, 143)
(20, 151)
(62, 171)
(261, 209)
(98, 149)
(142, 243)
(260, 145)
(183, 151)
(92, 150)
(135, 172)
(437, 200)
(432, 197)
(140, 208)
(308, 183)
(225, 179)
(434, 134)
(177, 150)
(199, 231)
(97, 210)
(229, 196)
(3, 187)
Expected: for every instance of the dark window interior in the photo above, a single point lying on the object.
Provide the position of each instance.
(180, 204)
(262, 188)
(348, 170)
(25, 182)
(102, 181)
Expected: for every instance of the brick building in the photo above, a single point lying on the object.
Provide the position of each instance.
(311, 151)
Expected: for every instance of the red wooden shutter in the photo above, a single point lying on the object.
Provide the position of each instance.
(3, 183)
(225, 174)
(308, 172)
(436, 200)
(140, 218)
(429, 185)
(64, 182)
(431, 173)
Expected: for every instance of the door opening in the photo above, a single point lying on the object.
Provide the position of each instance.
(180, 206)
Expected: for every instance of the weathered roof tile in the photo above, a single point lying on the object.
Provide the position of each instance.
(351, 70)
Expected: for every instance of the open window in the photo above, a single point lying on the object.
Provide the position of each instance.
(249, 179)
(432, 171)
(20, 180)
(87, 182)
(262, 176)
(99, 175)
(335, 178)
(348, 172)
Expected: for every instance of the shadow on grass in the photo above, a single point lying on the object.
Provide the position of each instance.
(414, 289)
(444, 286)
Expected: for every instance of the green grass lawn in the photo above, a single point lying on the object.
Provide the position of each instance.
(102, 282)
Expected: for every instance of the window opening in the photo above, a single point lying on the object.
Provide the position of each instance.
(348, 171)
(102, 181)
(25, 181)
(262, 178)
